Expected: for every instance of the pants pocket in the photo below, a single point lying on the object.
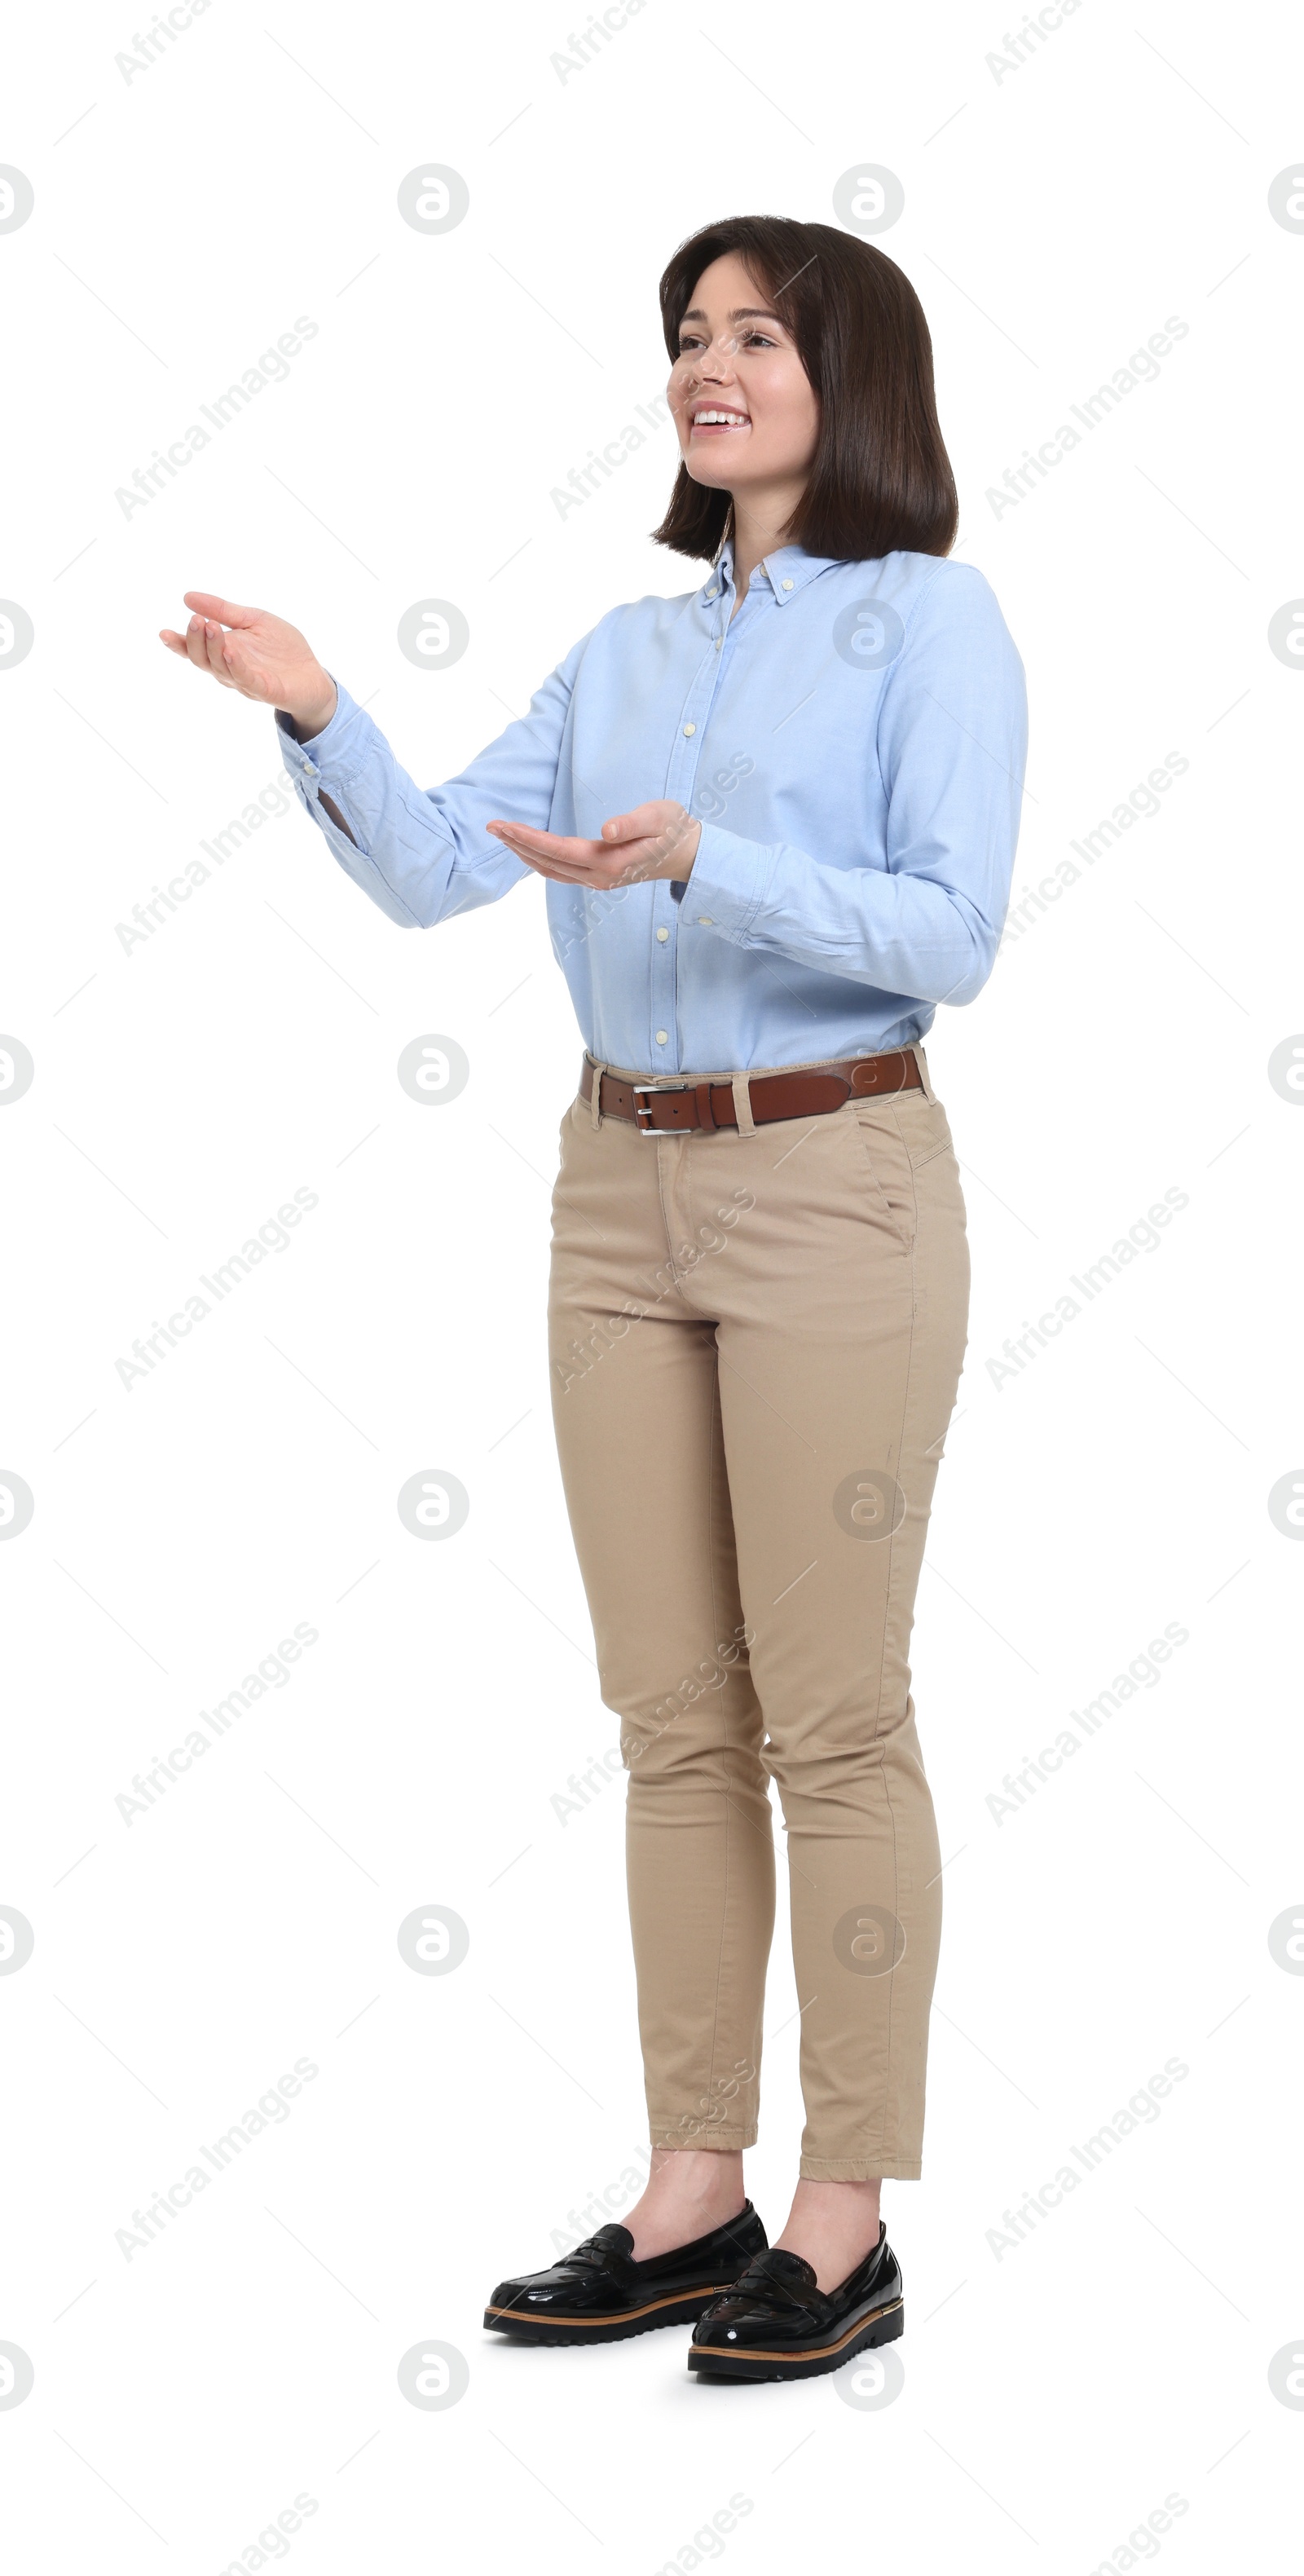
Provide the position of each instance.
(887, 1165)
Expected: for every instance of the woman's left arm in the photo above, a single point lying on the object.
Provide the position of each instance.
(951, 740)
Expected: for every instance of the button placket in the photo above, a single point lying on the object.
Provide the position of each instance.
(663, 1023)
(661, 982)
(682, 778)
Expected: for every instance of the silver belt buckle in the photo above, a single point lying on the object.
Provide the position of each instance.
(642, 1089)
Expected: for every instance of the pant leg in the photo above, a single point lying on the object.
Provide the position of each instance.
(841, 1299)
(637, 1411)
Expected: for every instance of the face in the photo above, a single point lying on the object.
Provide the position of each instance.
(742, 402)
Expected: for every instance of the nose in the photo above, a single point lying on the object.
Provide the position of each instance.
(711, 366)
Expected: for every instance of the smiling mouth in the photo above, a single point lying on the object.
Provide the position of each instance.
(715, 420)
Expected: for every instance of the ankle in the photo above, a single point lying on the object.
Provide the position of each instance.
(696, 2173)
(833, 2225)
(689, 2191)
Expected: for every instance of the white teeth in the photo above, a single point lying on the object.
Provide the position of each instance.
(727, 419)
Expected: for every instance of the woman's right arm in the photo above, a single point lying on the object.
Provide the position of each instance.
(422, 855)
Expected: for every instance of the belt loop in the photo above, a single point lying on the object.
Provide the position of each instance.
(916, 1049)
(595, 1096)
(742, 1092)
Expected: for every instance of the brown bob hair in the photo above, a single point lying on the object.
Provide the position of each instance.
(881, 477)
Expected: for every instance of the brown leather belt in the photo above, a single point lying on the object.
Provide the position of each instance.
(669, 1109)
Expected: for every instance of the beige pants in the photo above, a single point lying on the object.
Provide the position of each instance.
(756, 1341)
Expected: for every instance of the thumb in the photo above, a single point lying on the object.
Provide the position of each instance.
(625, 827)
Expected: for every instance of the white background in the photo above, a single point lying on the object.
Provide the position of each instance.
(1054, 218)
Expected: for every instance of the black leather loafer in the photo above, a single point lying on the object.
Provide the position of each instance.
(776, 2324)
(599, 2294)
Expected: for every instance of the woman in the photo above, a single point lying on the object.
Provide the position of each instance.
(777, 816)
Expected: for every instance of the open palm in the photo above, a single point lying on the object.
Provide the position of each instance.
(655, 840)
(259, 655)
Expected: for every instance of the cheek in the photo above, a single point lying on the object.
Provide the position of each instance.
(678, 390)
(790, 418)
(805, 411)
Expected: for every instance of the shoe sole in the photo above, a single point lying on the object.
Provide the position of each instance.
(712, 2361)
(520, 2327)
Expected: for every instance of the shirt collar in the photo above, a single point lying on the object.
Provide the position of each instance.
(788, 570)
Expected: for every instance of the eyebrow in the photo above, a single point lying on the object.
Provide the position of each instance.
(743, 313)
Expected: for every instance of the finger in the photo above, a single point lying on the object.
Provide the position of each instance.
(210, 605)
(555, 848)
(228, 660)
(174, 643)
(643, 821)
(556, 871)
(568, 871)
(197, 644)
(215, 648)
(564, 872)
(508, 838)
(523, 838)
(547, 861)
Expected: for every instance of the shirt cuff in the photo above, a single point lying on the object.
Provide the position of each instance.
(337, 753)
(729, 882)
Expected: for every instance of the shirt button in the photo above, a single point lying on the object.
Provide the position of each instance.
(663, 1036)
(690, 729)
(704, 921)
(787, 585)
(709, 594)
(663, 934)
(718, 642)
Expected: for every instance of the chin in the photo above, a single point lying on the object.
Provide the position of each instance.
(700, 470)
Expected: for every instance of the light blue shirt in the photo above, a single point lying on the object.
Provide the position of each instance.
(853, 740)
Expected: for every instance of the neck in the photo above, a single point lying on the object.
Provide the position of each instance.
(760, 523)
